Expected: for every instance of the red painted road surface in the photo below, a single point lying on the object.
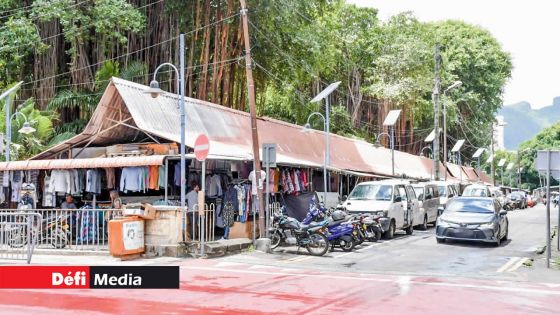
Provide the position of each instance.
(212, 287)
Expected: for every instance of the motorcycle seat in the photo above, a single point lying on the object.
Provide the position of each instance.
(305, 227)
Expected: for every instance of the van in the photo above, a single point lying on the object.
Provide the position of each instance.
(394, 200)
(428, 201)
(446, 190)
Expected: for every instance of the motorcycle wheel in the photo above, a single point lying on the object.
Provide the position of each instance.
(318, 245)
(59, 239)
(346, 245)
(275, 239)
(17, 238)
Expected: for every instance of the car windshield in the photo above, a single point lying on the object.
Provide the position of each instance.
(372, 192)
(470, 205)
(475, 192)
(442, 192)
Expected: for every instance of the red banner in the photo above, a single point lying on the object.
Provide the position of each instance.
(44, 277)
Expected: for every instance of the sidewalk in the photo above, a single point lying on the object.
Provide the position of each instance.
(90, 260)
(536, 270)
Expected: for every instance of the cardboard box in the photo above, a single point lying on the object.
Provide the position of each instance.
(143, 210)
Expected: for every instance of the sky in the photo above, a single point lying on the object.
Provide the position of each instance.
(528, 30)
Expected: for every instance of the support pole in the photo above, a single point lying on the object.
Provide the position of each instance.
(444, 109)
(8, 129)
(202, 213)
(435, 97)
(548, 254)
(492, 169)
(393, 150)
(328, 149)
(253, 111)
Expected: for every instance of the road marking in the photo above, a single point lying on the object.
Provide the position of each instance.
(361, 250)
(420, 282)
(342, 255)
(518, 264)
(297, 259)
(404, 284)
(511, 261)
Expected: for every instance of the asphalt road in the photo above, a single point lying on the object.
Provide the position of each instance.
(419, 254)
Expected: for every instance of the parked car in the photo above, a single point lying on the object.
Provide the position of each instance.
(446, 191)
(393, 200)
(477, 190)
(499, 195)
(428, 201)
(474, 219)
(518, 200)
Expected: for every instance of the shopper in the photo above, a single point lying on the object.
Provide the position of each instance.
(192, 209)
(68, 203)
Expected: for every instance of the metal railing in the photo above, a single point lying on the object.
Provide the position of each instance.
(18, 236)
(75, 229)
(201, 225)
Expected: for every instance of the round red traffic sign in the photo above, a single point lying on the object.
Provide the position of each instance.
(201, 147)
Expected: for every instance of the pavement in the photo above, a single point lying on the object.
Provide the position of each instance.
(409, 274)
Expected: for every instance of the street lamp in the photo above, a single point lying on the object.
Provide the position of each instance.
(477, 155)
(426, 148)
(456, 84)
(319, 97)
(390, 121)
(26, 129)
(519, 168)
(6, 95)
(456, 149)
(501, 165)
(307, 128)
(430, 139)
(155, 91)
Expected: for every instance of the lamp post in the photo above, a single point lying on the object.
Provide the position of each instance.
(494, 127)
(477, 155)
(501, 166)
(390, 121)
(306, 128)
(426, 148)
(519, 168)
(456, 84)
(325, 95)
(430, 139)
(7, 94)
(26, 129)
(457, 150)
(155, 91)
(377, 144)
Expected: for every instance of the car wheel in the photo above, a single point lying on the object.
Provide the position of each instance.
(390, 233)
(507, 232)
(409, 230)
(424, 225)
(440, 240)
(498, 238)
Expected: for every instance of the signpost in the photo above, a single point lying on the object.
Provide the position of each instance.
(548, 162)
(269, 160)
(201, 149)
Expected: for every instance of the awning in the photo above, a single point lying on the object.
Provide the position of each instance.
(111, 162)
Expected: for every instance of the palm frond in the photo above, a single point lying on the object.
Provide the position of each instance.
(60, 138)
(136, 71)
(68, 99)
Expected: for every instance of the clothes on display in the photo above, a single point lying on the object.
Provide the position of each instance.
(93, 181)
(110, 175)
(214, 186)
(134, 179)
(294, 181)
(253, 181)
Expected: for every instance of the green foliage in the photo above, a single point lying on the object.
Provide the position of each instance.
(548, 138)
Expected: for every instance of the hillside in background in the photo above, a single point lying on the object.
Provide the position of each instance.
(523, 122)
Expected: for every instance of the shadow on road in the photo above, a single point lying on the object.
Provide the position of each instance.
(475, 244)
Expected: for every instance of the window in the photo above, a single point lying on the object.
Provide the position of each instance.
(451, 191)
(371, 192)
(402, 193)
(411, 193)
(430, 192)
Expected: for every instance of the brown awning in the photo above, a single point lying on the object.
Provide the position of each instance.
(128, 161)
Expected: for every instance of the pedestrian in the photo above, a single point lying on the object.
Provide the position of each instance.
(116, 204)
(68, 203)
(192, 207)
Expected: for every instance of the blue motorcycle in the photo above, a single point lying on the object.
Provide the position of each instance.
(340, 230)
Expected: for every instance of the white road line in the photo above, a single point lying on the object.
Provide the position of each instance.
(361, 250)
(343, 255)
(511, 261)
(517, 265)
(414, 282)
(298, 258)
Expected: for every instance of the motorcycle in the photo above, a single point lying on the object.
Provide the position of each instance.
(370, 227)
(342, 231)
(54, 230)
(309, 235)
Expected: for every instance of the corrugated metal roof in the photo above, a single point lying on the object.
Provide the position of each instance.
(230, 133)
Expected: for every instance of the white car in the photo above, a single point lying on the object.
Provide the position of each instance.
(477, 190)
(428, 199)
(394, 200)
(446, 191)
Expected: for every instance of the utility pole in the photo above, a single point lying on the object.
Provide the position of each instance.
(435, 97)
(492, 170)
(253, 113)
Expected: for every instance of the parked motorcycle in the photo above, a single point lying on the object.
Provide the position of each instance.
(54, 230)
(370, 227)
(341, 229)
(309, 235)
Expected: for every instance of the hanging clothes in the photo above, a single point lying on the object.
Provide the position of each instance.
(177, 175)
(110, 176)
(214, 186)
(253, 180)
(153, 177)
(48, 195)
(60, 181)
(130, 179)
(162, 181)
(93, 181)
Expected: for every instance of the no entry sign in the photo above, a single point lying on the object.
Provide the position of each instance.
(201, 147)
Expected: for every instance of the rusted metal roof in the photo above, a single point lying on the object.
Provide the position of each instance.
(83, 163)
(125, 111)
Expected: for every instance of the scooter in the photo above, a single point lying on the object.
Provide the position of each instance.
(340, 229)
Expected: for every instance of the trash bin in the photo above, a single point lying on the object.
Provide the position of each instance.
(126, 236)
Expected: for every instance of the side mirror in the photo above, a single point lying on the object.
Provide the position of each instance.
(398, 199)
(503, 212)
(344, 198)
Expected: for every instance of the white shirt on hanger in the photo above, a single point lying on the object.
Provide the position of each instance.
(253, 184)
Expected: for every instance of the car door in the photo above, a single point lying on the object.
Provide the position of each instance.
(416, 215)
(431, 204)
(397, 208)
(405, 206)
(502, 218)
